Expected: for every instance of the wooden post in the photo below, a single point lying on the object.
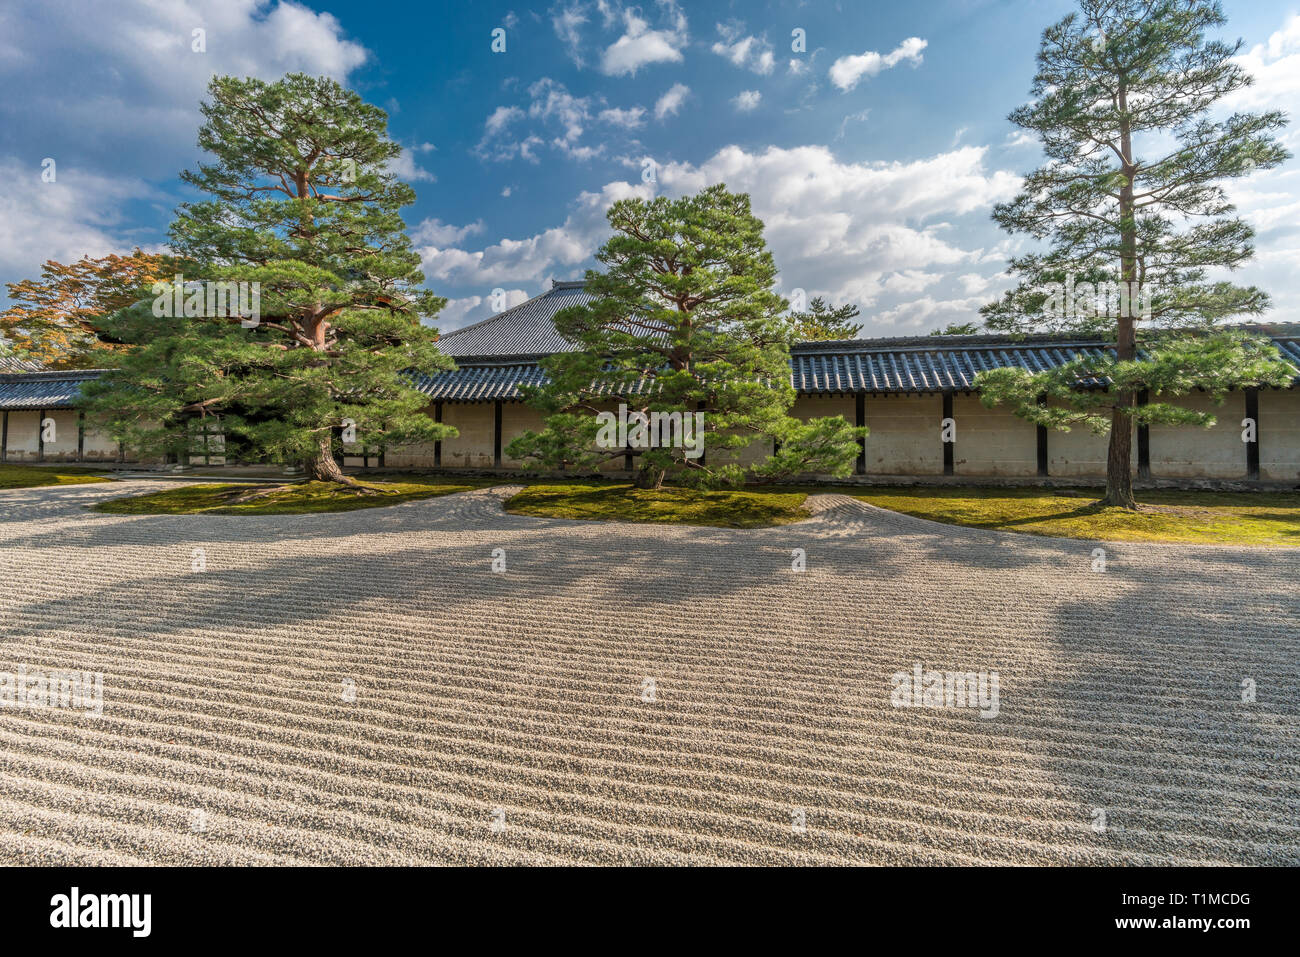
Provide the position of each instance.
(496, 434)
(1252, 448)
(437, 445)
(81, 436)
(947, 446)
(1042, 442)
(699, 407)
(860, 416)
(4, 438)
(40, 436)
(1144, 443)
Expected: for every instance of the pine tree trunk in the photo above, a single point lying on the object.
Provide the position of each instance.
(1119, 461)
(1119, 454)
(650, 478)
(323, 468)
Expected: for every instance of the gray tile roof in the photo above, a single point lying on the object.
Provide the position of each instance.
(43, 390)
(498, 355)
(523, 330)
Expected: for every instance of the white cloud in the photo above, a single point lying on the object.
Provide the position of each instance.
(926, 313)
(122, 80)
(747, 52)
(747, 100)
(629, 118)
(855, 231)
(640, 46)
(552, 101)
(568, 22)
(1275, 65)
(671, 102)
(502, 117)
(76, 215)
(435, 232)
(459, 313)
(407, 169)
(557, 250)
(848, 70)
(551, 104)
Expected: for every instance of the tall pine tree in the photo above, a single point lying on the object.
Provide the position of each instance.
(303, 203)
(1132, 206)
(685, 320)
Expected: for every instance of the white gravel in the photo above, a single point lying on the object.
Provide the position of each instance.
(499, 717)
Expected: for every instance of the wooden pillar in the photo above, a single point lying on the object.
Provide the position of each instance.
(699, 407)
(1252, 448)
(1042, 442)
(437, 445)
(860, 419)
(40, 436)
(81, 436)
(947, 446)
(1144, 443)
(4, 438)
(496, 434)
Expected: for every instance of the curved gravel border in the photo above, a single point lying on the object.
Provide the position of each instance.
(362, 688)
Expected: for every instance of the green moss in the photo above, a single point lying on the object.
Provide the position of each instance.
(681, 506)
(1220, 518)
(23, 476)
(296, 499)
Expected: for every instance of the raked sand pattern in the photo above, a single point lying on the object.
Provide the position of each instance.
(499, 718)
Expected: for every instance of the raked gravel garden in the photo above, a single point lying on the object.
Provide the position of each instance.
(442, 682)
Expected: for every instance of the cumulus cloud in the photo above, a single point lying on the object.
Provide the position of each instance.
(111, 87)
(552, 107)
(855, 231)
(459, 313)
(629, 118)
(848, 70)
(744, 51)
(877, 234)
(76, 215)
(926, 313)
(747, 100)
(1275, 65)
(435, 232)
(558, 250)
(567, 22)
(122, 79)
(641, 46)
(671, 102)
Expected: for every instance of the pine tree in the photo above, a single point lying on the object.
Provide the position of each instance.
(821, 322)
(1132, 207)
(685, 320)
(303, 208)
(957, 329)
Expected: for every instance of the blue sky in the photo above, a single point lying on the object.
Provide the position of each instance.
(874, 156)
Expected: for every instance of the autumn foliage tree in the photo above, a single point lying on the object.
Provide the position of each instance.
(52, 319)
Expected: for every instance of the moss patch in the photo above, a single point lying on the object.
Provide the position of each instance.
(23, 476)
(1219, 518)
(296, 499)
(680, 506)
